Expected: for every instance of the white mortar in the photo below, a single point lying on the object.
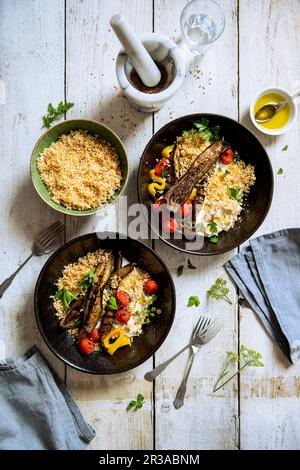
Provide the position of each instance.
(164, 51)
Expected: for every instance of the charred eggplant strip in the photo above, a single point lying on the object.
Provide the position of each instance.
(95, 310)
(98, 272)
(181, 190)
(119, 260)
(107, 322)
(72, 315)
(176, 161)
(122, 272)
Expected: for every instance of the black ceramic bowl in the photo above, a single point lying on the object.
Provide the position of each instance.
(251, 151)
(63, 345)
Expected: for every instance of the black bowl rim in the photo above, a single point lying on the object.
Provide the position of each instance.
(57, 252)
(244, 239)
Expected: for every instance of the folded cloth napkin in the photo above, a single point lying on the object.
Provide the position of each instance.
(267, 273)
(36, 410)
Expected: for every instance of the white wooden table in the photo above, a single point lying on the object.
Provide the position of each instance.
(64, 49)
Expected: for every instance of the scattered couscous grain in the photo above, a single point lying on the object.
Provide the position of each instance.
(80, 170)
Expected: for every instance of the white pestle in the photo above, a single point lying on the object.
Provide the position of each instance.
(140, 58)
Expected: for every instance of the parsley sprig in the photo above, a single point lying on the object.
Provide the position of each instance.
(65, 296)
(136, 404)
(112, 303)
(87, 280)
(208, 133)
(219, 290)
(55, 113)
(193, 301)
(181, 268)
(235, 194)
(213, 227)
(247, 358)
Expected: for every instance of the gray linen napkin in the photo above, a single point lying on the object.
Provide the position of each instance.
(268, 274)
(36, 410)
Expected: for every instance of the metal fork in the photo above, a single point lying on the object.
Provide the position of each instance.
(200, 328)
(199, 340)
(40, 247)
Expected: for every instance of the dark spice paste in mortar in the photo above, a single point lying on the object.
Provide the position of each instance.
(139, 85)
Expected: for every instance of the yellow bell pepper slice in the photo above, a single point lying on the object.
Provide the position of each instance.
(122, 340)
(158, 184)
(166, 152)
(193, 195)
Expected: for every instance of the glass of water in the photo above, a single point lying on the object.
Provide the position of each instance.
(202, 23)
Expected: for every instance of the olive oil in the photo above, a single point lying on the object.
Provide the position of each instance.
(282, 116)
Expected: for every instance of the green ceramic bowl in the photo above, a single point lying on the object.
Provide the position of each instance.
(52, 135)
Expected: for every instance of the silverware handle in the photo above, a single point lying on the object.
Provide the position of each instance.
(5, 284)
(295, 95)
(287, 100)
(150, 376)
(179, 400)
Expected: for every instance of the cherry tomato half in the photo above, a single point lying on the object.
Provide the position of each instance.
(122, 316)
(226, 157)
(85, 345)
(170, 225)
(158, 170)
(94, 335)
(150, 287)
(186, 209)
(123, 298)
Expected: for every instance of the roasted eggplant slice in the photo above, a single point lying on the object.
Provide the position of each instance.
(181, 190)
(72, 315)
(118, 260)
(95, 306)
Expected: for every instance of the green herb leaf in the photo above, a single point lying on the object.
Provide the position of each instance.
(180, 270)
(202, 124)
(219, 290)
(139, 397)
(226, 172)
(112, 303)
(284, 149)
(136, 404)
(164, 173)
(248, 357)
(190, 265)
(87, 280)
(236, 157)
(207, 133)
(213, 227)
(193, 301)
(280, 171)
(54, 114)
(214, 239)
(131, 404)
(235, 194)
(65, 296)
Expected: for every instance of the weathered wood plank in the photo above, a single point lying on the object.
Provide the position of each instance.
(91, 83)
(32, 67)
(207, 421)
(270, 396)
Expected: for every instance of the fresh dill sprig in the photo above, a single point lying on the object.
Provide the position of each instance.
(55, 113)
(219, 290)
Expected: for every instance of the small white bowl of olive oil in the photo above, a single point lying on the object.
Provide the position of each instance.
(285, 117)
